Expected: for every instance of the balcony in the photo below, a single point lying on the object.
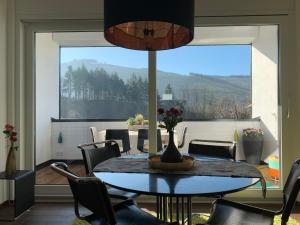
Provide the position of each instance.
(65, 136)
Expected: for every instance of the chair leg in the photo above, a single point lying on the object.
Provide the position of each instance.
(77, 213)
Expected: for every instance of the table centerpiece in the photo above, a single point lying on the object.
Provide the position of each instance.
(168, 120)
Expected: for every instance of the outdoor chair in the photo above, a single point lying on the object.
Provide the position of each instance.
(182, 142)
(143, 135)
(226, 212)
(119, 134)
(93, 155)
(94, 133)
(91, 193)
(212, 149)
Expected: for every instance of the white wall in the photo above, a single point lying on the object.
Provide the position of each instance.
(3, 108)
(47, 93)
(60, 9)
(265, 86)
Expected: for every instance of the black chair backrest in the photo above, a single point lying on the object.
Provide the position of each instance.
(211, 148)
(119, 134)
(291, 190)
(181, 144)
(143, 135)
(89, 192)
(93, 155)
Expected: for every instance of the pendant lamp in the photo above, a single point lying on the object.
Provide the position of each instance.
(149, 24)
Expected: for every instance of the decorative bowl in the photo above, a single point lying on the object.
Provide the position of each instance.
(186, 164)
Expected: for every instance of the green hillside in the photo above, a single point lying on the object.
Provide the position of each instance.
(230, 86)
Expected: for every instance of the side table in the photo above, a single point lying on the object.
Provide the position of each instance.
(24, 181)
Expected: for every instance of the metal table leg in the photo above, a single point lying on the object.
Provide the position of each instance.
(157, 207)
(164, 209)
(189, 210)
(171, 209)
(182, 210)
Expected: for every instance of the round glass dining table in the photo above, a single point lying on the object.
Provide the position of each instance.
(180, 188)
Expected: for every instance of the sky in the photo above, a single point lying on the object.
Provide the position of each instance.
(208, 60)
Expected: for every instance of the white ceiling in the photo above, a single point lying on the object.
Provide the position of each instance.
(203, 36)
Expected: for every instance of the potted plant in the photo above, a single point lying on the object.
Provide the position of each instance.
(168, 120)
(130, 123)
(137, 122)
(253, 140)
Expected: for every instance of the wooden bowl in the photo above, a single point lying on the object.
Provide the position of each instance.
(186, 164)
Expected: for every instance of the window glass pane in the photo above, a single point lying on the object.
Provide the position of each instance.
(103, 83)
(208, 82)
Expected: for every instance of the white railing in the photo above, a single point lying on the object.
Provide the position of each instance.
(75, 133)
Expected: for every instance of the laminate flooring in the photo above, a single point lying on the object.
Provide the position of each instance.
(48, 176)
(63, 213)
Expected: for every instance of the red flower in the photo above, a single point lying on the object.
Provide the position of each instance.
(172, 110)
(9, 127)
(170, 118)
(160, 111)
(176, 112)
(169, 113)
(14, 133)
(13, 138)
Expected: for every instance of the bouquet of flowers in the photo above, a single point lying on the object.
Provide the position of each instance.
(169, 118)
(11, 135)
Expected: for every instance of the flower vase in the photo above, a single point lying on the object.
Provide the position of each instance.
(10, 167)
(171, 154)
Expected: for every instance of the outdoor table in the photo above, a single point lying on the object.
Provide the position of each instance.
(166, 186)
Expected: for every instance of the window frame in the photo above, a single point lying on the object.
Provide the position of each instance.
(23, 111)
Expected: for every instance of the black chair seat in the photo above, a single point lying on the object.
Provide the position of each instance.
(91, 193)
(232, 213)
(117, 193)
(127, 213)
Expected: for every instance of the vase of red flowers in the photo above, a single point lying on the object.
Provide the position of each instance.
(169, 119)
(11, 135)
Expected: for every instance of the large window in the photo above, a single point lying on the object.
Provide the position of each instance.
(208, 82)
(103, 83)
(111, 83)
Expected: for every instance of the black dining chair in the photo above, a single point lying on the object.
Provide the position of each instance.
(93, 155)
(212, 149)
(143, 135)
(226, 212)
(119, 134)
(91, 193)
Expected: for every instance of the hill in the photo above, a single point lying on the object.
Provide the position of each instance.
(231, 86)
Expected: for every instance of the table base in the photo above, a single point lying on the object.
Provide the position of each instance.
(183, 209)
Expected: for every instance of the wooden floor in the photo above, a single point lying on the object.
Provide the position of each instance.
(63, 213)
(48, 176)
